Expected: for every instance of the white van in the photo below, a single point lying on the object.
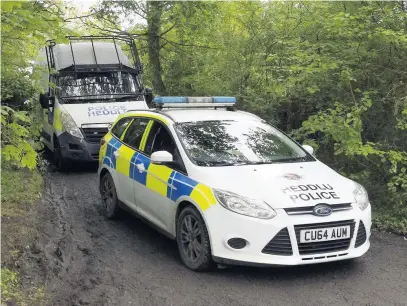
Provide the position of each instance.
(90, 81)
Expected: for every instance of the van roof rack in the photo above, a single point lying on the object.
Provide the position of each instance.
(97, 65)
(74, 58)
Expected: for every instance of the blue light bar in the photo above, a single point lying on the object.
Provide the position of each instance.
(177, 102)
(163, 100)
(224, 100)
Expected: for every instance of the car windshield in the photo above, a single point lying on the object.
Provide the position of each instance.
(96, 86)
(224, 143)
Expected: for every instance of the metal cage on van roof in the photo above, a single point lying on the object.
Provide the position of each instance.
(93, 53)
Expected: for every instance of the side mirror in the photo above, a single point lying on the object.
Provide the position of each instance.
(148, 94)
(45, 100)
(161, 157)
(309, 149)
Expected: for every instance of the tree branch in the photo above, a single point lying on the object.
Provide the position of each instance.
(188, 45)
(83, 16)
(166, 31)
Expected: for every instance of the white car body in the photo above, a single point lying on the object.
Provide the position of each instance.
(292, 190)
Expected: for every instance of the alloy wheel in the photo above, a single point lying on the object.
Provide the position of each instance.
(107, 194)
(191, 237)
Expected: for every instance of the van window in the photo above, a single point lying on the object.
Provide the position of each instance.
(96, 85)
(135, 132)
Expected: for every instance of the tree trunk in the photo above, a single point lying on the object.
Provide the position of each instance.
(155, 9)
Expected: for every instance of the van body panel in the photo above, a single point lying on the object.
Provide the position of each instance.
(90, 113)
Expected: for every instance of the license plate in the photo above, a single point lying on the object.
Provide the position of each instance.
(324, 234)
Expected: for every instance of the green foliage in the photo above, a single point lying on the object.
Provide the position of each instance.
(15, 135)
(25, 28)
(10, 286)
(11, 291)
(20, 188)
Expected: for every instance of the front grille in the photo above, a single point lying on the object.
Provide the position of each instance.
(324, 246)
(361, 236)
(309, 210)
(279, 245)
(94, 135)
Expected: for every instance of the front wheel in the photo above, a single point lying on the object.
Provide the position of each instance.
(193, 240)
(61, 163)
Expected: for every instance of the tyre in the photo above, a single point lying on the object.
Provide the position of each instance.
(193, 240)
(60, 162)
(109, 197)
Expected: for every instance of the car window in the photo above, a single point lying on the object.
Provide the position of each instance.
(218, 143)
(120, 126)
(135, 132)
(160, 139)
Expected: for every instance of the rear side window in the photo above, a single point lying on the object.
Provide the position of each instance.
(135, 132)
(120, 127)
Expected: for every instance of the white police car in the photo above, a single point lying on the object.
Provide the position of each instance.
(229, 187)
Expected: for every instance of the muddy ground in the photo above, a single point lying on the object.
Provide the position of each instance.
(85, 259)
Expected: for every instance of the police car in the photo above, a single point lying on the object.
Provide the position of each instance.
(230, 188)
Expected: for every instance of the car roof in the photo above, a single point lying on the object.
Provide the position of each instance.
(189, 115)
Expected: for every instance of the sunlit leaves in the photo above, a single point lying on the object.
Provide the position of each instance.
(15, 138)
(25, 28)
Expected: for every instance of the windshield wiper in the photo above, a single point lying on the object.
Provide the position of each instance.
(126, 97)
(258, 162)
(293, 159)
(215, 163)
(97, 98)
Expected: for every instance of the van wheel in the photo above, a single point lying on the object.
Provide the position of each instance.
(193, 240)
(60, 162)
(109, 197)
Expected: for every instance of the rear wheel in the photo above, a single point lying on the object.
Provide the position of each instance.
(109, 197)
(193, 240)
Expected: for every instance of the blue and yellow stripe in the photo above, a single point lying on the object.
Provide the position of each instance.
(161, 179)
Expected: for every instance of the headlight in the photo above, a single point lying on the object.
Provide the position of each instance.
(361, 196)
(70, 125)
(244, 206)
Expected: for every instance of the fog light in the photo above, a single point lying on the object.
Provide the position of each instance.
(237, 243)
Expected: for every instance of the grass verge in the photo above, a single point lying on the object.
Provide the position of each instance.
(20, 191)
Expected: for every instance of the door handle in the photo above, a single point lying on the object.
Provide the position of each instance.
(141, 167)
(116, 154)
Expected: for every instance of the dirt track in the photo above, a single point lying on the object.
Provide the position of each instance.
(88, 260)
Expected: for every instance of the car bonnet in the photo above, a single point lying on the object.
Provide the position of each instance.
(281, 185)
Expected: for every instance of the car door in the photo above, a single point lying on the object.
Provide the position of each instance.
(152, 190)
(130, 141)
(112, 152)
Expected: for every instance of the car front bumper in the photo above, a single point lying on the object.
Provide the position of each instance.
(223, 225)
(76, 149)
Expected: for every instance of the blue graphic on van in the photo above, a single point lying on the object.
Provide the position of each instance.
(94, 111)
